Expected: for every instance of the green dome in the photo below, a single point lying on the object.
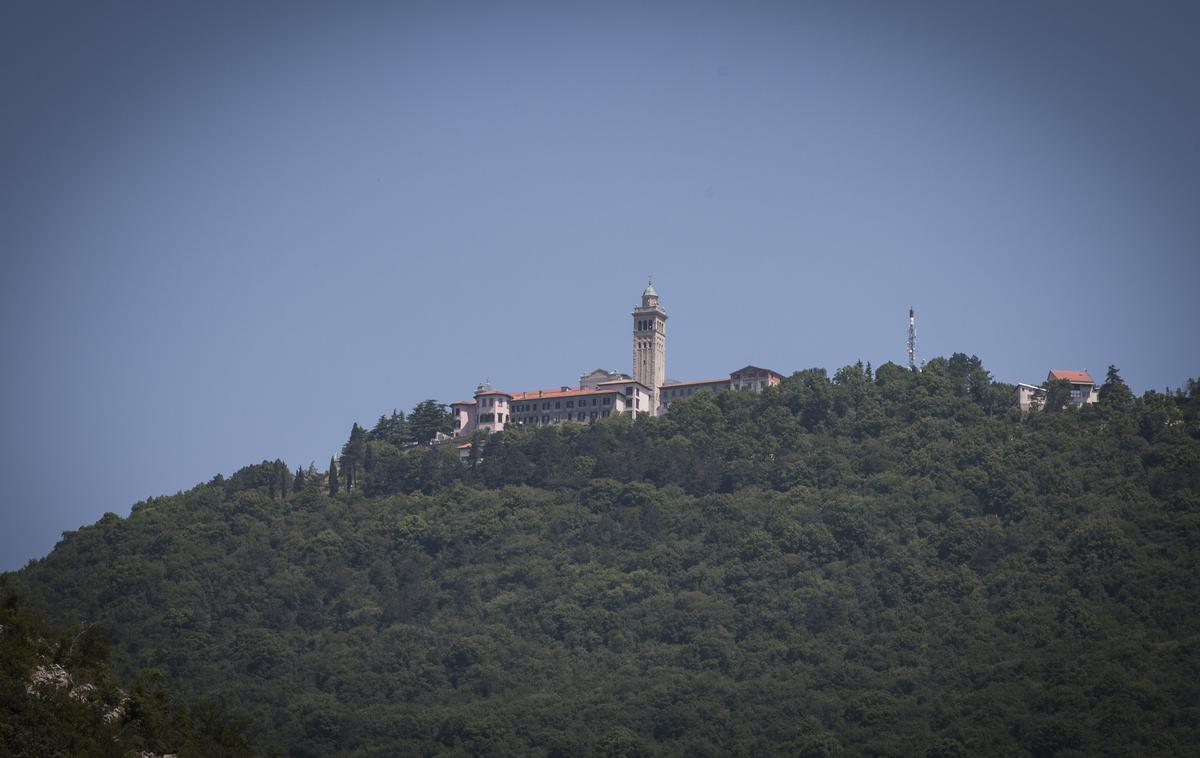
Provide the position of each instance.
(649, 291)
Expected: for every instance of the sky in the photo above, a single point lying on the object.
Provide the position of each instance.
(230, 230)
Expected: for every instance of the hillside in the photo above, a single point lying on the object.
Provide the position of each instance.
(874, 563)
(60, 697)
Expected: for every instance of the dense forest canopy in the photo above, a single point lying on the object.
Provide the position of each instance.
(874, 563)
(60, 697)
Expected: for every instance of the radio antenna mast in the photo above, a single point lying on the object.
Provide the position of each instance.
(912, 340)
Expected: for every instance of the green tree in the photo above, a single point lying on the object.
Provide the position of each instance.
(392, 429)
(1058, 394)
(1114, 391)
(353, 455)
(427, 419)
(284, 478)
(333, 477)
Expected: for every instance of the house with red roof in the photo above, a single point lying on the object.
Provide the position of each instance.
(1083, 390)
(1083, 387)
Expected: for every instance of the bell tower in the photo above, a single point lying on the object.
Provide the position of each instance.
(650, 345)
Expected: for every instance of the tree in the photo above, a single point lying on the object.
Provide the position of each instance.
(427, 419)
(298, 481)
(392, 429)
(333, 476)
(1114, 391)
(353, 453)
(1058, 394)
(284, 478)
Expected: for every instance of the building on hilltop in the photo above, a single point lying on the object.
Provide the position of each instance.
(1030, 397)
(603, 392)
(748, 378)
(650, 344)
(593, 379)
(1083, 390)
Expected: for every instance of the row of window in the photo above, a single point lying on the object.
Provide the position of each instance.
(647, 324)
(558, 404)
(578, 416)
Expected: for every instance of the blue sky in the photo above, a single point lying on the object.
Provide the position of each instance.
(229, 231)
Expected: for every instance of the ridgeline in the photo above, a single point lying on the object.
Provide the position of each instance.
(879, 563)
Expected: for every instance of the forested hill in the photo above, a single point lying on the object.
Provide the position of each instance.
(877, 563)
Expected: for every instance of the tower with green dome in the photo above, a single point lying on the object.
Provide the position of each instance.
(650, 344)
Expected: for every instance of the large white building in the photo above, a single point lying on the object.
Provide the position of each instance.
(602, 393)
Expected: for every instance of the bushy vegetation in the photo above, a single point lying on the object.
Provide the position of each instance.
(59, 697)
(877, 563)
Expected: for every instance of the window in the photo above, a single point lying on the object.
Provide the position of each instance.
(570, 403)
(545, 419)
(608, 401)
(557, 404)
(605, 414)
(545, 406)
(593, 403)
(629, 390)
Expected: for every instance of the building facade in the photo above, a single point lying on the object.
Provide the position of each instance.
(603, 392)
(1083, 390)
(748, 378)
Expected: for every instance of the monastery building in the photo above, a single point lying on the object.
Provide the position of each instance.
(602, 393)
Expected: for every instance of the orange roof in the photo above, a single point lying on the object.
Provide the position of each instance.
(463, 402)
(1080, 377)
(555, 394)
(464, 446)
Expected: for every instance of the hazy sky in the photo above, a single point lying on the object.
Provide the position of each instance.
(229, 232)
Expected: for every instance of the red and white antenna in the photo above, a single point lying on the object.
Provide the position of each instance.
(912, 340)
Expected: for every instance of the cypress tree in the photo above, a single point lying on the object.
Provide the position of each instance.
(353, 452)
(333, 476)
(284, 476)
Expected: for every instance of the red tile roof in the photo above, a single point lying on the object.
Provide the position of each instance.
(492, 392)
(1080, 377)
(555, 394)
(462, 402)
